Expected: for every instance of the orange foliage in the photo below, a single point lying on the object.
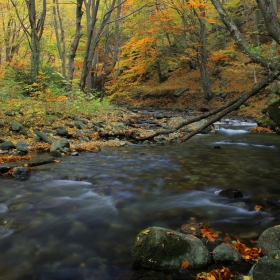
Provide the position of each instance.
(248, 254)
(261, 129)
(216, 274)
(209, 233)
(11, 158)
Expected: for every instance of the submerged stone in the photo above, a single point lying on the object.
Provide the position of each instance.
(161, 248)
(11, 224)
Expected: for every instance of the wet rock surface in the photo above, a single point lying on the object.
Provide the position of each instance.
(267, 267)
(270, 240)
(162, 248)
(226, 254)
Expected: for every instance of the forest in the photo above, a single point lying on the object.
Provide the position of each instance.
(96, 49)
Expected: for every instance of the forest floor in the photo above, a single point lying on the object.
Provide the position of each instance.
(182, 90)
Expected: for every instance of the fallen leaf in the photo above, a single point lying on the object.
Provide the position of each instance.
(146, 231)
(185, 264)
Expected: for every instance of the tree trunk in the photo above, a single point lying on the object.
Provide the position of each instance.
(93, 38)
(75, 44)
(37, 27)
(271, 20)
(239, 39)
(60, 38)
(202, 61)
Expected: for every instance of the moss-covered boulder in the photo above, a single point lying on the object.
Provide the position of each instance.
(268, 267)
(269, 240)
(271, 117)
(273, 112)
(161, 248)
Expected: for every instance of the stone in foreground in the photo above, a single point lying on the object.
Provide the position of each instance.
(161, 248)
(268, 267)
(269, 240)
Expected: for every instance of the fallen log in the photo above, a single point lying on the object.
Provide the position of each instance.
(7, 169)
(215, 114)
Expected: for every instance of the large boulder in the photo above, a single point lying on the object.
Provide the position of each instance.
(161, 248)
(269, 240)
(271, 117)
(273, 112)
(268, 267)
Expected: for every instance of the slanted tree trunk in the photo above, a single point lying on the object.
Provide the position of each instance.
(216, 114)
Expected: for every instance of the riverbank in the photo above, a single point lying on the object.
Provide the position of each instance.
(102, 124)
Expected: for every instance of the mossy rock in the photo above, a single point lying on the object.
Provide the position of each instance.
(161, 248)
(271, 117)
(273, 112)
(268, 267)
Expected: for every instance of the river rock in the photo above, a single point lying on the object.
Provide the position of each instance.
(80, 125)
(9, 113)
(43, 136)
(273, 112)
(268, 267)
(21, 173)
(11, 224)
(60, 147)
(22, 147)
(231, 193)
(269, 240)
(7, 145)
(161, 248)
(193, 229)
(16, 126)
(178, 92)
(61, 131)
(226, 253)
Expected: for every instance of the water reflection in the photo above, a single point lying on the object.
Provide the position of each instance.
(78, 219)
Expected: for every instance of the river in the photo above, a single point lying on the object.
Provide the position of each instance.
(78, 219)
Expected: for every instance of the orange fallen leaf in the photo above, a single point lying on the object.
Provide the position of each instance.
(185, 264)
(257, 208)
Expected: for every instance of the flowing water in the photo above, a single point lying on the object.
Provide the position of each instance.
(78, 219)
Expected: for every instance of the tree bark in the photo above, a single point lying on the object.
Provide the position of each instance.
(93, 38)
(202, 61)
(271, 20)
(240, 41)
(59, 34)
(37, 27)
(75, 44)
